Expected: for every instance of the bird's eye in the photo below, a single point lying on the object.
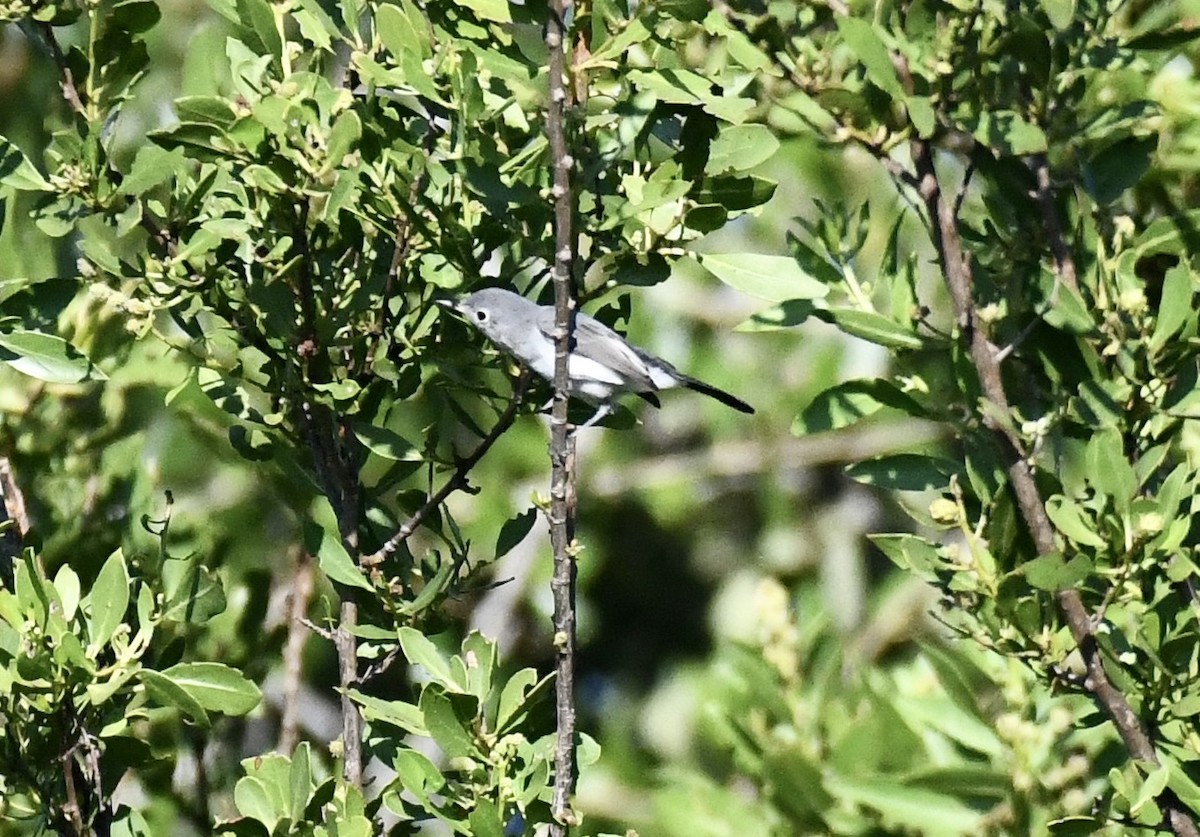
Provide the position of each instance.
(481, 316)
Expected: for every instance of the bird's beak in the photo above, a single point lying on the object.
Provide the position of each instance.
(448, 304)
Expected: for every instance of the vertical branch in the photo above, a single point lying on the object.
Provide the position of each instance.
(330, 438)
(1064, 262)
(293, 653)
(67, 81)
(15, 521)
(562, 438)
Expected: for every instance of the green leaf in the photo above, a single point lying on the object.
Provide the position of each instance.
(1175, 309)
(740, 47)
(519, 695)
(215, 110)
(689, 10)
(684, 87)
(1069, 312)
(1007, 132)
(195, 139)
(46, 357)
(479, 657)
(1109, 471)
(873, 327)
(633, 32)
(383, 442)
(215, 686)
(403, 30)
(420, 651)
(406, 79)
(690, 803)
(904, 472)
(486, 820)
(1068, 517)
(1110, 173)
(109, 600)
(514, 531)
(274, 772)
(264, 180)
(66, 582)
(773, 278)
(406, 716)
(301, 780)
(344, 390)
(259, 27)
(847, 403)
(316, 25)
(589, 750)
(17, 172)
(1180, 782)
(1060, 13)
(321, 538)
(1153, 785)
(922, 114)
(343, 137)
(433, 588)
(420, 777)
(736, 194)
(253, 800)
(909, 552)
(133, 17)
(906, 808)
(322, 795)
(741, 147)
(863, 38)
(941, 713)
(11, 611)
(448, 718)
(494, 10)
(1053, 573)
(167, 692)
(1077, 826)
(787, 314)
(35, 595)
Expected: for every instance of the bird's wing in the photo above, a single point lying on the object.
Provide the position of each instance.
(604, 354)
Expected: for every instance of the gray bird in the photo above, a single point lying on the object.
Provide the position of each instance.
(602, 364)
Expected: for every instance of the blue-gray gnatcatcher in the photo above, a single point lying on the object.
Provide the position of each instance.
(602, 364)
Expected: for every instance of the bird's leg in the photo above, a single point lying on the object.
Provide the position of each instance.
(603, 410)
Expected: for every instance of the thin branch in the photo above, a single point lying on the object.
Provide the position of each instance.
(15, 522)
(67, 82)
(562, 436)
(331, 441)
(960, 194)
(458, 481)
(347, 652)
(376, 669)
(1064, 261)
(293, 653)
(402, 244)
(316, 629)
(71, 809)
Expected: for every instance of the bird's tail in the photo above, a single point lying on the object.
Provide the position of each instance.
(665, 375)
(719, 394)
